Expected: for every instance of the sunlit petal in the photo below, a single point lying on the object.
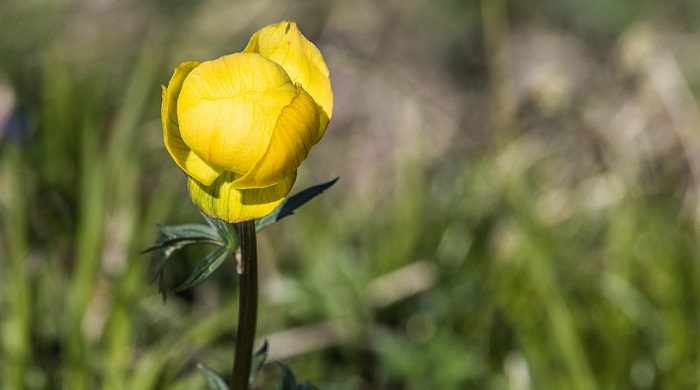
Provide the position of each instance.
(184, 157)
(228, 109)
(284, 44)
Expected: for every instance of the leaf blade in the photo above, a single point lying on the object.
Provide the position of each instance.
(258, 359)
(205, 268)
(214, 381)
(287, 207)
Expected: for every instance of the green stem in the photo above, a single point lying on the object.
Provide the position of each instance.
(248, 306)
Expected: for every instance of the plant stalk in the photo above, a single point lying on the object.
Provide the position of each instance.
(247, 306)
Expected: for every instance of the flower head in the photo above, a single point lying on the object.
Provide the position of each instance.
(241, 125)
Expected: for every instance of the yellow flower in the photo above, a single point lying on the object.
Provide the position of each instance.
(241, 125)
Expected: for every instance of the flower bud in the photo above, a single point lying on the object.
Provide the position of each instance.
(241, 125)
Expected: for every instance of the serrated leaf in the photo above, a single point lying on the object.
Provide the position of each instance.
(287, 207)
(226, 231)
(162, 288)
(161, 259)
(256, 363)
(160, 274)
(175, 237)
(214, 381)
(205, 268)
(190, 230)
(168, 246)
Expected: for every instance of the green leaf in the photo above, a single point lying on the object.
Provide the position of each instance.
(162, 260)
(162, 257)
(287, 381)
(226, 231)
(175, 237)
(205, 268)
(290, 204)
(214, 381)
(190, 231)
(170, 245)
(256, 363)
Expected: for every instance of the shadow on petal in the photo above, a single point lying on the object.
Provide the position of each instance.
(221, 201)
(296, 131)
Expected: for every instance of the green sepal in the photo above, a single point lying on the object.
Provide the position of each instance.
(214, 381)
(205, 268)
(287, 207)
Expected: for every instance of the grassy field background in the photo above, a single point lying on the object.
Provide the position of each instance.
(517, 205)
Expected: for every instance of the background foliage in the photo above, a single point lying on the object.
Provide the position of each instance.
(517, 208)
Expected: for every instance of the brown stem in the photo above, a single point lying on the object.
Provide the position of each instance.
(247, 306)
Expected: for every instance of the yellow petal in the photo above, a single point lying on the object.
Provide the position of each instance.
(228, 108)
(221, 201)
(293, 137)
(284, 44)
(184, 157)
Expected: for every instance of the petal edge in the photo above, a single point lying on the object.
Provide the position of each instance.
(228, 108)
(286, 45)
(294, 134)
(182, 154)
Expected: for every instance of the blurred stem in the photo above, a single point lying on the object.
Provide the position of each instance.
(494, 20)
(15, 338)
(248, 306)
(89, 239)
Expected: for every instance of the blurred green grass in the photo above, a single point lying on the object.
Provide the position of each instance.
(518, 203)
